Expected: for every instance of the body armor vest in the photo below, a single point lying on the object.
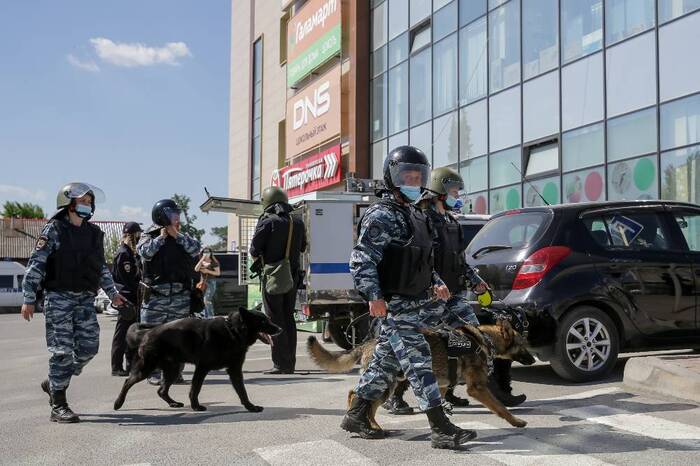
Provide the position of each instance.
(171, 264)
(77, 263)
(449, 254)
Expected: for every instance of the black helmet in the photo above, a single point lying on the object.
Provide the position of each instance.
(405, 159)
(163, 212)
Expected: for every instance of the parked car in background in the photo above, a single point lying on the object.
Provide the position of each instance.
(11, 276)
(600, 278)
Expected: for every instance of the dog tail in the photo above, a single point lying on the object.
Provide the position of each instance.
(333, 361)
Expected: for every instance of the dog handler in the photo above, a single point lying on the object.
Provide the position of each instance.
(392, 267)
(168, 266)
(68, 262)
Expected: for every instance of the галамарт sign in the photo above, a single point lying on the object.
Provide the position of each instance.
(313, 36)
(315, 172)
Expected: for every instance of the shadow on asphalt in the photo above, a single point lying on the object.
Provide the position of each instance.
(215, 414)
(543, 374)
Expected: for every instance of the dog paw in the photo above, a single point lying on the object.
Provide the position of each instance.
(176, 404)
(518, 422)
(254, 409)
(199, 408)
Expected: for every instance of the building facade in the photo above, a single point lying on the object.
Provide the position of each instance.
(531, 100)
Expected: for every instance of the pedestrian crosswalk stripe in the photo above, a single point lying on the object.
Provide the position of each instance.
(519, 450)
(317, 452)
(637, 423)
(578, 396)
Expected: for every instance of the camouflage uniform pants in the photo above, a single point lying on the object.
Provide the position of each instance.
(401, 347)
(166, 303)
(459, 311)
(72, 334)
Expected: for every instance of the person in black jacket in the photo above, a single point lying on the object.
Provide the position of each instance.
(126, 274)
(270, 243)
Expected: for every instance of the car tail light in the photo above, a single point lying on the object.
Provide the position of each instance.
(537, 265)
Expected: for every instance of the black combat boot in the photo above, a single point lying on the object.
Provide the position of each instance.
(356, 420)
(499, 384)
(47, 389)
(396, 404)
(443, 433)
(60, 411)
(454, 400)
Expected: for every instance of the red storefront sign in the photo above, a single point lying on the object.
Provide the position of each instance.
(314, 173)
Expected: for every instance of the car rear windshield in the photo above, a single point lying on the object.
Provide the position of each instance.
(511, 231)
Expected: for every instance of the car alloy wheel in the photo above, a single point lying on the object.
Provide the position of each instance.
(588, 344)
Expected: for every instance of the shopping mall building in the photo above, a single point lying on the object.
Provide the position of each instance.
(581, 100)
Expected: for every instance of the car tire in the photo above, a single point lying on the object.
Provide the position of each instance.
(587, 345)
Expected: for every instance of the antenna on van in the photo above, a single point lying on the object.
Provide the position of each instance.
(531, 185)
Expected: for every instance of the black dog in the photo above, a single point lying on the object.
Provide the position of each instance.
(209, 344)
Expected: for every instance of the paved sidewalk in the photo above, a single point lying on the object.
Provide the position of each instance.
(677, 376)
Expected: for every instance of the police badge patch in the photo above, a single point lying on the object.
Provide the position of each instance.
(41, 242)
(127, 267)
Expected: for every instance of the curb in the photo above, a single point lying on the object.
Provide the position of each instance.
(656, 375)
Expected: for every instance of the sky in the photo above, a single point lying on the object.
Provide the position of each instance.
(129, 95)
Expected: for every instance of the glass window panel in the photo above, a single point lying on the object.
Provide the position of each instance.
(469, 10)
(624, 18)
(547, 188)
(504, 199)
(494, 3)
(445, 22)
(379, 107)
(679, 73)
(504, 119)
(689, 224)
(445, 145)
(680, 175)
(420, 9)
(257, 57)
(669, 9)
(379, 26)
(581, 28)
(680, 122)
(473, 130)
(379, 61)
(472, 62)
(541, 106)
(542, 159)
(375, 3)
(398, 17)
(583, 147)
(504, 167)
(398, 49)
(422, 138)
(421, 87)
(631, 75)
(256, 157)
(475, 174)
(584, 186)
(540, 36)
(582, 92)
(379, 152)
(445, 75)
(632, 135)
(421, 38)
(437, 4)
(398, 98)
(476, 203)
(504, 45)
(397, 140)
(633, 179)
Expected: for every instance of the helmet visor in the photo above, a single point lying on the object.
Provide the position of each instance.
(173, 215)
(409, 174)
(78, 190)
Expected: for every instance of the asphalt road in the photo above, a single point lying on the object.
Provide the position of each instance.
(593, 424)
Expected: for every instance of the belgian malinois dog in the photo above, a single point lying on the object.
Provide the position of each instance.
(472, 368)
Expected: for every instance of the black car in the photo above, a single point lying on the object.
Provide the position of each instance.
(598, 278)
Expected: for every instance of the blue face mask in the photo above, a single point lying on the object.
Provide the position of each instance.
(411, 192)
(454, 203)
(83, 211)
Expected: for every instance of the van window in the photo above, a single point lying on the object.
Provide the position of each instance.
(690, 227)
(7, 281)
(629, 230)
(20, 279)
(514, 231)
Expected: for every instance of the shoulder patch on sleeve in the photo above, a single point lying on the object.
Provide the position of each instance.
(373, 232)
(127, 267)
(41, 242)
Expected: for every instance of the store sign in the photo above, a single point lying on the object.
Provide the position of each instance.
(313, 36)
(313, 115)
(314, 173)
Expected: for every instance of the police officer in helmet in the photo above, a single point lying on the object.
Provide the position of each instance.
(168, 257)
(68, 263)
(392, 267)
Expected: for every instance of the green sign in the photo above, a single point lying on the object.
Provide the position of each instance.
(316, 54)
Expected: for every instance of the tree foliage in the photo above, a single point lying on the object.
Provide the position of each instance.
(222, 234)
(187, 227)
(22, 210)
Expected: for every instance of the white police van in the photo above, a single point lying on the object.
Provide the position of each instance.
(11, 276)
